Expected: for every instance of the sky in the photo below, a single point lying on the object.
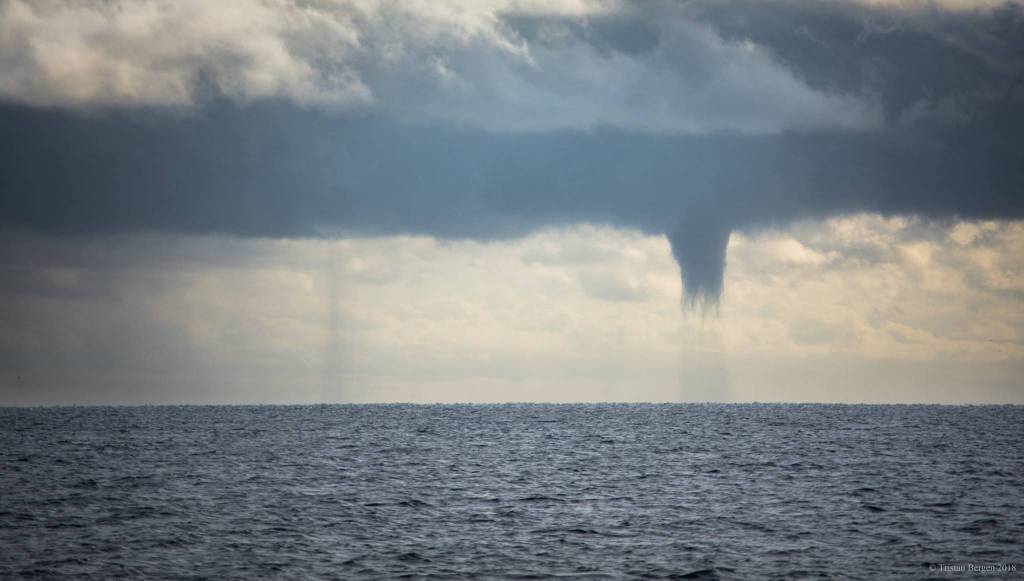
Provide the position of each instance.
(499, 200)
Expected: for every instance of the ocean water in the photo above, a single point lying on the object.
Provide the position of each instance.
(512, 491)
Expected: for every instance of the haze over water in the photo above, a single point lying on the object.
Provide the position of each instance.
(511, 491)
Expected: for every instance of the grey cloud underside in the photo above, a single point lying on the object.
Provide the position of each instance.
(948, 83)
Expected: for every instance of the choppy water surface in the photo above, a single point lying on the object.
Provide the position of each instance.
(751, 491)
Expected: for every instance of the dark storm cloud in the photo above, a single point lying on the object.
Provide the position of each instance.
(947, 83)
(922, 62)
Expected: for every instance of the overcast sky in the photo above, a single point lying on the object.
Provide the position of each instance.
(501, 200)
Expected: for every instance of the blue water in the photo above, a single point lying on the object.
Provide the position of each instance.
(511, 491)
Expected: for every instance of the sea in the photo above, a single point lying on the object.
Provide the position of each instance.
(610, 491)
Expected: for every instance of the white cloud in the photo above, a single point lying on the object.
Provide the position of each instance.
(964, 234)
(776, 251)
(152, 52)
(910, 300)
(451, 60)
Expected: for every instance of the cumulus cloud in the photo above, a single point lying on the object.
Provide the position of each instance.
(160, 53)
(914, 299)
(465, 62)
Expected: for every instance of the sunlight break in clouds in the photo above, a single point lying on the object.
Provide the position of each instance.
(888, 309)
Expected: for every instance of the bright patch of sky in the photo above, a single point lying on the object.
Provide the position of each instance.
(854, 309)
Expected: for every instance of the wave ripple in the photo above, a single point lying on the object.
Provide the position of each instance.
(511, 491)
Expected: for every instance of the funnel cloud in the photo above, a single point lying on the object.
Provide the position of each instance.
(692, 120)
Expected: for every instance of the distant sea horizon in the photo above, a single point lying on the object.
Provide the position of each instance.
(505, 403)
